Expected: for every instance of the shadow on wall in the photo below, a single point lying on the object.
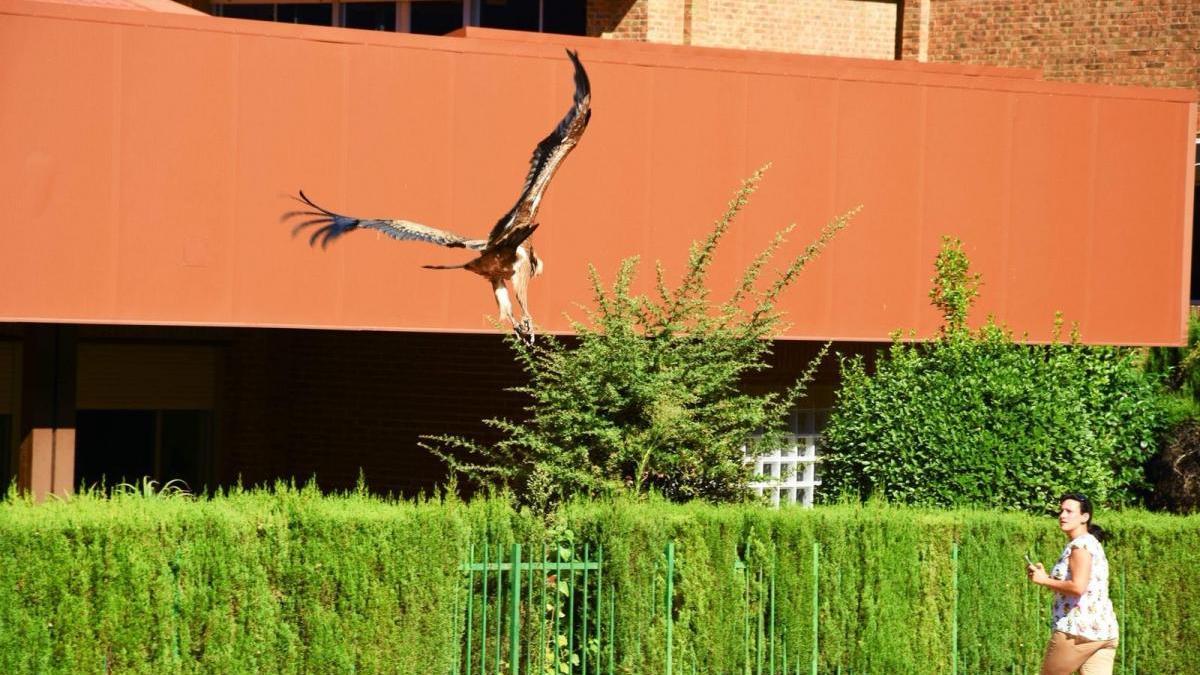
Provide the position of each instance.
(605, 16)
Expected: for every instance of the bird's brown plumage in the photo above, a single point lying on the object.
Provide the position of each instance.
(506, 255)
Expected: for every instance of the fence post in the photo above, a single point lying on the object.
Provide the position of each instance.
(587, 559)
(529, 636)
(954, 610)
(772, 598)
(544, 580)
(470, 603)
(612, 628)
(455, 636)
(483, 632)
(499, 604)
(746, 619)
(1125, 647)
(514, 619)
(816, 617)
(670, 596)
(598, 622)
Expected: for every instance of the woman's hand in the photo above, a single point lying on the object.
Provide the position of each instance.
(1037, 574)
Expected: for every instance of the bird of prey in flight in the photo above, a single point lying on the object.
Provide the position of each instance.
(505, 256)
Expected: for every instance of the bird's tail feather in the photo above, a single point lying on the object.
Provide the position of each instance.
(329, 225)
(444, 267)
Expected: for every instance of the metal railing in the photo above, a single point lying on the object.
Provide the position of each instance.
(551, 614)
(556, 615)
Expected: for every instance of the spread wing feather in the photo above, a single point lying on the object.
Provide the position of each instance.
(546, 158)
(329, 226)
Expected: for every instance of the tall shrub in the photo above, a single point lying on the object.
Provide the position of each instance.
(1174, 473)
(975, 418)
(297, 582)
(647, 396)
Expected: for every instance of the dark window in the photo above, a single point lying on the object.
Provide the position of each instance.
(308, 13)
(116, 446)
(427, 17)
(6, 455)
(565, 17)
(185, 446)
(125, 446)
(1196, 245)
(256, 12)
(436, 18)
(370, 15)
(509, 14)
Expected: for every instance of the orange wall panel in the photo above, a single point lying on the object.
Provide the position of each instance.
(149, 159)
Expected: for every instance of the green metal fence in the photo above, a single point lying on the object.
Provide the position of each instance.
(765, 642)
(549, 615)
(555, 615)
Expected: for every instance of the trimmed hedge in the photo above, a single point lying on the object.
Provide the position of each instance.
(292, 581)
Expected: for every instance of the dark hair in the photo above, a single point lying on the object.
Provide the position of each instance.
(1085, 506)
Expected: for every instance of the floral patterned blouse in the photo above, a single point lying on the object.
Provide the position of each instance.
(1089, 616)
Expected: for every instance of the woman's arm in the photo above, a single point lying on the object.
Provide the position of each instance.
(1080, 564)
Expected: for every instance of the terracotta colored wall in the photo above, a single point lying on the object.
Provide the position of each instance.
(147, 157)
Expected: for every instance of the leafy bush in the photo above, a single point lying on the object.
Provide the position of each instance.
(283, 582)
(974, 418)
(1174, 472)
(293, 582)
(647, 396)
(1179, 369)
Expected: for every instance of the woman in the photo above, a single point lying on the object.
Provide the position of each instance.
(1084, 626)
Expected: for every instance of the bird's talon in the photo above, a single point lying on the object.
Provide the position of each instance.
(524, 330)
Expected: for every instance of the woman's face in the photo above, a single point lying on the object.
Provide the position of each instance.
(1070, 516)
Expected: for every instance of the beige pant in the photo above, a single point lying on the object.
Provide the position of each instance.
(1066, 654)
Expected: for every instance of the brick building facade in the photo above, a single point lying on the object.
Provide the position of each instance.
(1154, 43)
(827, 27)
(273, 404)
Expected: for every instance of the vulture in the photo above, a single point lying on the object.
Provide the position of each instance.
(506, 257)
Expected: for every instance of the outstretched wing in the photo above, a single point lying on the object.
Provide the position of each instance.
(547, 157)
(329, 226)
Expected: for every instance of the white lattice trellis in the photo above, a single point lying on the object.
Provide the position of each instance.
(789, 475)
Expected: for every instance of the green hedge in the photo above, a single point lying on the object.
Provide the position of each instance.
(290, 581)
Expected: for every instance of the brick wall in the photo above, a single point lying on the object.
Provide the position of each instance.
(830, 27)
(299, 403)
(329, 403)
(617, 19)
(1150, 42)
(827, 27)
